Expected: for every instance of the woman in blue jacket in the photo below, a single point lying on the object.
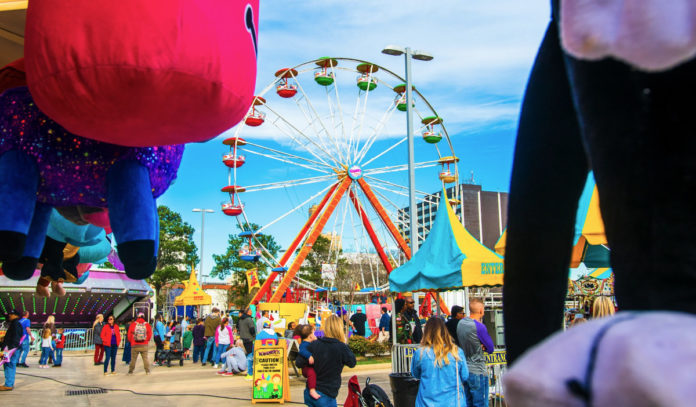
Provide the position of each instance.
(441, 367)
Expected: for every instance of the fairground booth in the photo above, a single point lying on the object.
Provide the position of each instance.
(104, 292)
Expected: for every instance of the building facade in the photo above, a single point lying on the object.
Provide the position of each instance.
(483, 213)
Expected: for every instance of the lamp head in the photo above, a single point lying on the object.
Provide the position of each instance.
(393, 50)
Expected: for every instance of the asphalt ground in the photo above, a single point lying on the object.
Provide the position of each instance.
(188, 385)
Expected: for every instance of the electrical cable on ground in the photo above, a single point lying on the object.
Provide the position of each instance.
(146, 394)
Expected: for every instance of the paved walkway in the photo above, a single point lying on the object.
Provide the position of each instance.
(33, 386)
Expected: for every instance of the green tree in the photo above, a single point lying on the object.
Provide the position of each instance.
(321, 253)
(177, 251)
(229, 264)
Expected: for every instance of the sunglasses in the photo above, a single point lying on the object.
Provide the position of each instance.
(410, 302)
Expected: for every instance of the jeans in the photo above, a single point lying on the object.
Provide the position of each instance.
(219, 350)
(58, 359)
(250, 363)
(126, 358)
(476, 390)
(198, 353)
(210, 344)
(24, 351)
(323, 401)
(10, 370)
(45, 353)
(110, 356)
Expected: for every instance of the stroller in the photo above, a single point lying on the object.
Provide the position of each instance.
(175, 352)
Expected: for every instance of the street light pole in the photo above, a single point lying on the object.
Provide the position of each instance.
(200, 265)
(413, 215)
(411, 171)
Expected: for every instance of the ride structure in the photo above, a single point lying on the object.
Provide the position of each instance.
(354, 151)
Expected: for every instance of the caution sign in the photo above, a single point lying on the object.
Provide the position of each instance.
(270, 382)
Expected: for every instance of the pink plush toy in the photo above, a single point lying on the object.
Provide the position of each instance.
(143, 73)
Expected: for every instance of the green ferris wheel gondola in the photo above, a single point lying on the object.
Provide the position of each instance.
(366, 82)
(323, 76)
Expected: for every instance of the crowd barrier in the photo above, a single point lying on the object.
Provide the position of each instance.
(496, 363)
(76, 339)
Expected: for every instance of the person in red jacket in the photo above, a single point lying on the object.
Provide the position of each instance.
(111, 338)
(139, 335)
(60, 345)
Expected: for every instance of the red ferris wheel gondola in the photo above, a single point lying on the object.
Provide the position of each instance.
(285, 89)
(256, 117)
(232, 208)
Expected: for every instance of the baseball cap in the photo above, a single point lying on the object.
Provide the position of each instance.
(141, 315)
(359, 308)
(14, 312)
(266, 325)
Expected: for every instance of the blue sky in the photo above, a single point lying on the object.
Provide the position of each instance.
(482, 50)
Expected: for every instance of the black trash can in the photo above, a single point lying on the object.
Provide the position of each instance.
(404, 389)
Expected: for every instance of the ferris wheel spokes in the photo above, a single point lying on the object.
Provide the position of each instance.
(295, 208)
(289, 183)
(298, 131)
(393, 146)
(318, 118)
(401, 167)
(378, 130)
(286, 161)
(288, 154)
(356, 136)
(425, 196)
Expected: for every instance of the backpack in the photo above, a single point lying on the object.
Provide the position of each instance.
(140, 332)
(375, 396)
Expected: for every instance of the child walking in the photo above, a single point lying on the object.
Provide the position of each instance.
(60, 345)
(46, 348)
(306, 334)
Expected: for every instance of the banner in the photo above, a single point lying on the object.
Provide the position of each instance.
(328, 271)
(270, 382)
(252, 279)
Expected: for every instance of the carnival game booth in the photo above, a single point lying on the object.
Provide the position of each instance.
(106, 291)
(449, 259)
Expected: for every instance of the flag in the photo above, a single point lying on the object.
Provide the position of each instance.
(252, 279)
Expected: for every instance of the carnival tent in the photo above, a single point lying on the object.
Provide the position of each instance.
(450, 258)
(590, 242)
(193, 294)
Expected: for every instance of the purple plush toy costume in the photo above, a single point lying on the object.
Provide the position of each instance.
(44, 166)
(73, 169)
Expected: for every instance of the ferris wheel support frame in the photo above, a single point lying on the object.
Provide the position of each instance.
(385, 218)
(309, 242)
(370, 231)
(266, 287)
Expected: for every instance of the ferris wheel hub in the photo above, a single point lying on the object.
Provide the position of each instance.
(355, 172)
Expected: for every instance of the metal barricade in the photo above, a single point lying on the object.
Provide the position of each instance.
(495, 362)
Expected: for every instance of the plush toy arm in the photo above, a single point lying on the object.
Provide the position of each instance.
(23, 268)
(133, 217)
(19, 181)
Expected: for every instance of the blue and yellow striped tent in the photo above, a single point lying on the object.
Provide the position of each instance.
(590, 243)
(450, 258)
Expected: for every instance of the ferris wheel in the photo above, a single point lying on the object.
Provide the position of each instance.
(322, 150)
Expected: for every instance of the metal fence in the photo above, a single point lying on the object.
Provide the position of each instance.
(496, 363)
(76, 339)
